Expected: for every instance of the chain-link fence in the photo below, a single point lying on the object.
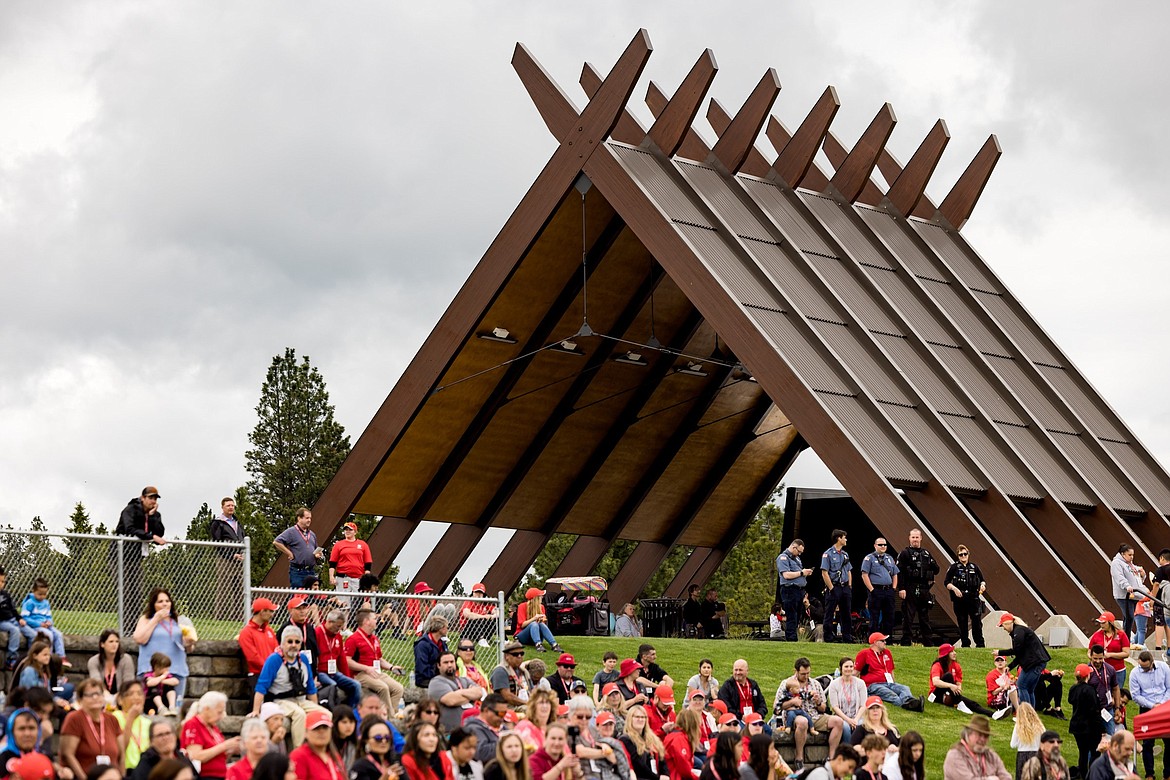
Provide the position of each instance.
(401, 618)
(98, 582)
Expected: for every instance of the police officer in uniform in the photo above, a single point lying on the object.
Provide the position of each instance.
(879, 572)
(793, 578)
(965, 582)
(837, 572)
(918, 569)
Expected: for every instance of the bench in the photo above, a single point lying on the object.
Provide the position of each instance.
(757, 629)
(816, 748)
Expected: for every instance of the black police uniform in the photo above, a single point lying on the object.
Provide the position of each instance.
(917, 570)
(967, 578)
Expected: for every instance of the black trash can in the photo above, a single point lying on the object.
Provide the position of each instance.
(661, 617)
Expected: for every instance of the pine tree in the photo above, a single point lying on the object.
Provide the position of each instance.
(457, 588)
(297, 446)
(746, 580)
(200, 528)
(79, 523)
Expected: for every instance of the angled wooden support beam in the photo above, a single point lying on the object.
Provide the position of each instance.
(853, 173)
(582, 556)
(836, 152)
(813, 177)
(733, 145)
(509, 567)
(636, 572)
(627, 130)
(677, 589)
(557, 110)
(692, 146)
(910, 185)
(957, 206)
(670, 128)
(443, 563)
(387, 539)
(795, 157)
(720, 120)
(891, 169)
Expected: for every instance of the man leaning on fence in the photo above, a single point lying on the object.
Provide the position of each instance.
(229, 567)
(141, 520)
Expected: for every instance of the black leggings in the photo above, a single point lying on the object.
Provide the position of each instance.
(1049, 692)
(1087, 745)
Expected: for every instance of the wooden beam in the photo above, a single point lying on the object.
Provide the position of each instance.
(907, 190)
(386, 541)
(559, 114)
(836, 152)
(957, 206)
(677, 588)
(891, 169)
(720, 120)
(627, 130)
(636, 572)
(673, 122)
(443, 563)
(813, 178)
(732, 147)
(795, 157)
(498, 262)
(582, 556)
(692, 146)
(510, 565)
(854, 172)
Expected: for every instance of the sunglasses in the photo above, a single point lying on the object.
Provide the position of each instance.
(1055, 741)
(468, 647)
(963, 554)
(430, 712)
(518, 654)
(381, 737)
(880, 544)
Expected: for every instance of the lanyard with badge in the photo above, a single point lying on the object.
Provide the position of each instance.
(102, 758)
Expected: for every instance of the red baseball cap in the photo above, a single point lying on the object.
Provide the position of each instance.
(260, 604)
(562, 709)
(350, 526)
(511, 716)
(532, 593)
(318, 718)
(664, 693)
(718, 704)
(603, 717)
(479, 587)
(877, 636)
(566, 659)
(1084, 670)
(610, 688)
(1106, 617)
(1006, 617)
(873, 701)
(297, 601)
(422, 587)
(727, 717)
(752, 717)
(693, 692)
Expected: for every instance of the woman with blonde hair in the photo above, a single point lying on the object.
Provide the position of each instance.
(875, 720)
(643, 745)
(540, 711)
(1026, 735)
(511, 761)
(532, 624)
(680, 744)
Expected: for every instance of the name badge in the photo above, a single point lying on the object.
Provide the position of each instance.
(747, 711)
(331, 666)
(889, 677)
(103, 760)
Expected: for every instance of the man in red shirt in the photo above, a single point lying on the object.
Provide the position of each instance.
(315, 759)
(364, 653)
(875, 667)
(349, 560)
(660, 713)
(257, 639)
(333, 666)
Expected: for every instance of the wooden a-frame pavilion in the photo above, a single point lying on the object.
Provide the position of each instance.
(661, 327)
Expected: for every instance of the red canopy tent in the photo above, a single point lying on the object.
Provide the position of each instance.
(1153, 724)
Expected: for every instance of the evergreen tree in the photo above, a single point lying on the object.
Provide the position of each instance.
(259, 533)
(297, 446)
(200, 528)
(79, 523)
(457, 588)
(746, 580)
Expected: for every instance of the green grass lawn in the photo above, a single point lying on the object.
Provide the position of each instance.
(771, 662)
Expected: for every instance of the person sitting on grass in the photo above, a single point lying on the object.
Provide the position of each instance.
(875, 665)
(875, 721)
(946, 683)
(607, 674)
(161, 686)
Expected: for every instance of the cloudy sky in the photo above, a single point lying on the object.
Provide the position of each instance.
(186, 189)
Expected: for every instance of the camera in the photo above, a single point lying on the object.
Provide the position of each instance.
(574, 733)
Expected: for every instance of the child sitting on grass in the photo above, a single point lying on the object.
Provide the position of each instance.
(160, 686)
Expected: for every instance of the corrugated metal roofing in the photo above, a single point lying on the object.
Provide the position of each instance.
(806, 361)
(941, 454)
(895, 285)
(927, 379)
(834, 217)
(968, 271)
(1098, 474)
(1000, 466)
(724, 201)
(775, 201)
(901, 244)
(970, 375)
(892, 459)
(1031, 395)
(792, 280)
(739, 278)
(850, 291)
(964, 315)
(865, 365)
(1064, 486)
(646, 169)
(1025, 337)
(1136, 466)
(1098, 421)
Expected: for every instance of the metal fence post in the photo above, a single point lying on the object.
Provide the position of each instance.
(501, 618)
(121, 575)
(247, 578)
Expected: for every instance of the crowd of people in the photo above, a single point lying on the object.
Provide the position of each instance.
(324, 703)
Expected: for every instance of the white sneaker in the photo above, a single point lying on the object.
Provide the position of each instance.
(963, 708)
(930, 698)
(1000, 713)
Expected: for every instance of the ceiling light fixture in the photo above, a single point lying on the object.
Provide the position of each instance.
(631, 358)
(498, 334)
(567, 347)
(690, 368)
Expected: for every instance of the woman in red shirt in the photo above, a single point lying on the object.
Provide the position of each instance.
(423, 756)
(680, 745)
(554, 761)
(316, 759)
(532, 624)
(254, 737)
(202, 740)
(1115, 642)
(946, 683)
(90, 735)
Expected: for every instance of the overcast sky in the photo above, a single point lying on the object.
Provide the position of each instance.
(186, 189)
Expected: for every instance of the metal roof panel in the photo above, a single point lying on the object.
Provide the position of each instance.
(890, 457)
(851, 292)
(1064, 486)
(1098, 473)
(923, 375)
(1032, 395)
(966, 318)
(648, 171)
(871, 369)
(854, 242)
(901, 244)
(970, 374)
(1027, 339)
(1087, 408)
(935, 447)
(740, 278)
(807, 360)
(1154, 484)
(969, 271)
(1000, 466)
(775, 201)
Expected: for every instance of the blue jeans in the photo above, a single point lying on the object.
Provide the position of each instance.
(347, 685)
(1121, 675)
(1139, 622)
(58, 637)
(297, 575)
(535, 633)
(894, 693)
(13, 629)
(1026, 684)
(1125, 616)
